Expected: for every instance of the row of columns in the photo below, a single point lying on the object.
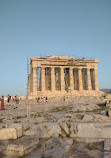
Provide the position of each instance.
(89, 87)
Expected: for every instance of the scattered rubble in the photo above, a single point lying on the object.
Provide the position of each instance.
(54, 128)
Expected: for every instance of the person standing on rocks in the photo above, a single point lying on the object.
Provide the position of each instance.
(2, 103)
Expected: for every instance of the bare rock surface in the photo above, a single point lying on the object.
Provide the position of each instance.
(96, 118)
(65, 148)
(107, 155)
(107, 145)
(58, 124)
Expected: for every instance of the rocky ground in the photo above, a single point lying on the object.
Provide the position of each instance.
(74, 128)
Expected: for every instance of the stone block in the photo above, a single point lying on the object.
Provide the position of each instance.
(107, 145)
(19, 132)
(30, 132)
(53, 129)
(22, 146)
(104, 112)
(42, 132)
(101, 118)
(88, 118)
(107, 155)
(109, 113)
(60, 150)
(8, 133)
(19, 129)
(64, 126)
(93, 130)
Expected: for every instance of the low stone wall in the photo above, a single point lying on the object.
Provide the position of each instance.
(91, 130)
(86, 132)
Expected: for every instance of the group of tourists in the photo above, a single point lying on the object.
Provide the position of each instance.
(41, 99)
(12, 99)
(9, 100)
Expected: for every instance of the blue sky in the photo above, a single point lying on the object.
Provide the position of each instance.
(79, 28)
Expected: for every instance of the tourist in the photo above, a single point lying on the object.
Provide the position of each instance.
(12, 99)
(15, 99)
(41, 99)
(104, 96)
(2, 103)
(38, 99)
(8, 100)
(64, 98)
(46, 99)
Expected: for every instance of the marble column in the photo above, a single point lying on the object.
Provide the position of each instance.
(43, 78)
(80, 79)
(96, 80)
(89, 87)
(71, 78)
(52, 78)
(34, 80)
(62, 79)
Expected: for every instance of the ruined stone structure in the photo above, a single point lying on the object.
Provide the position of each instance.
(60, 75)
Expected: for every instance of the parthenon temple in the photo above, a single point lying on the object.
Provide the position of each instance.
(60, 75)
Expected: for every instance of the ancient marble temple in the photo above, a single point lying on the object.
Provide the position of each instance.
(60, 75)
